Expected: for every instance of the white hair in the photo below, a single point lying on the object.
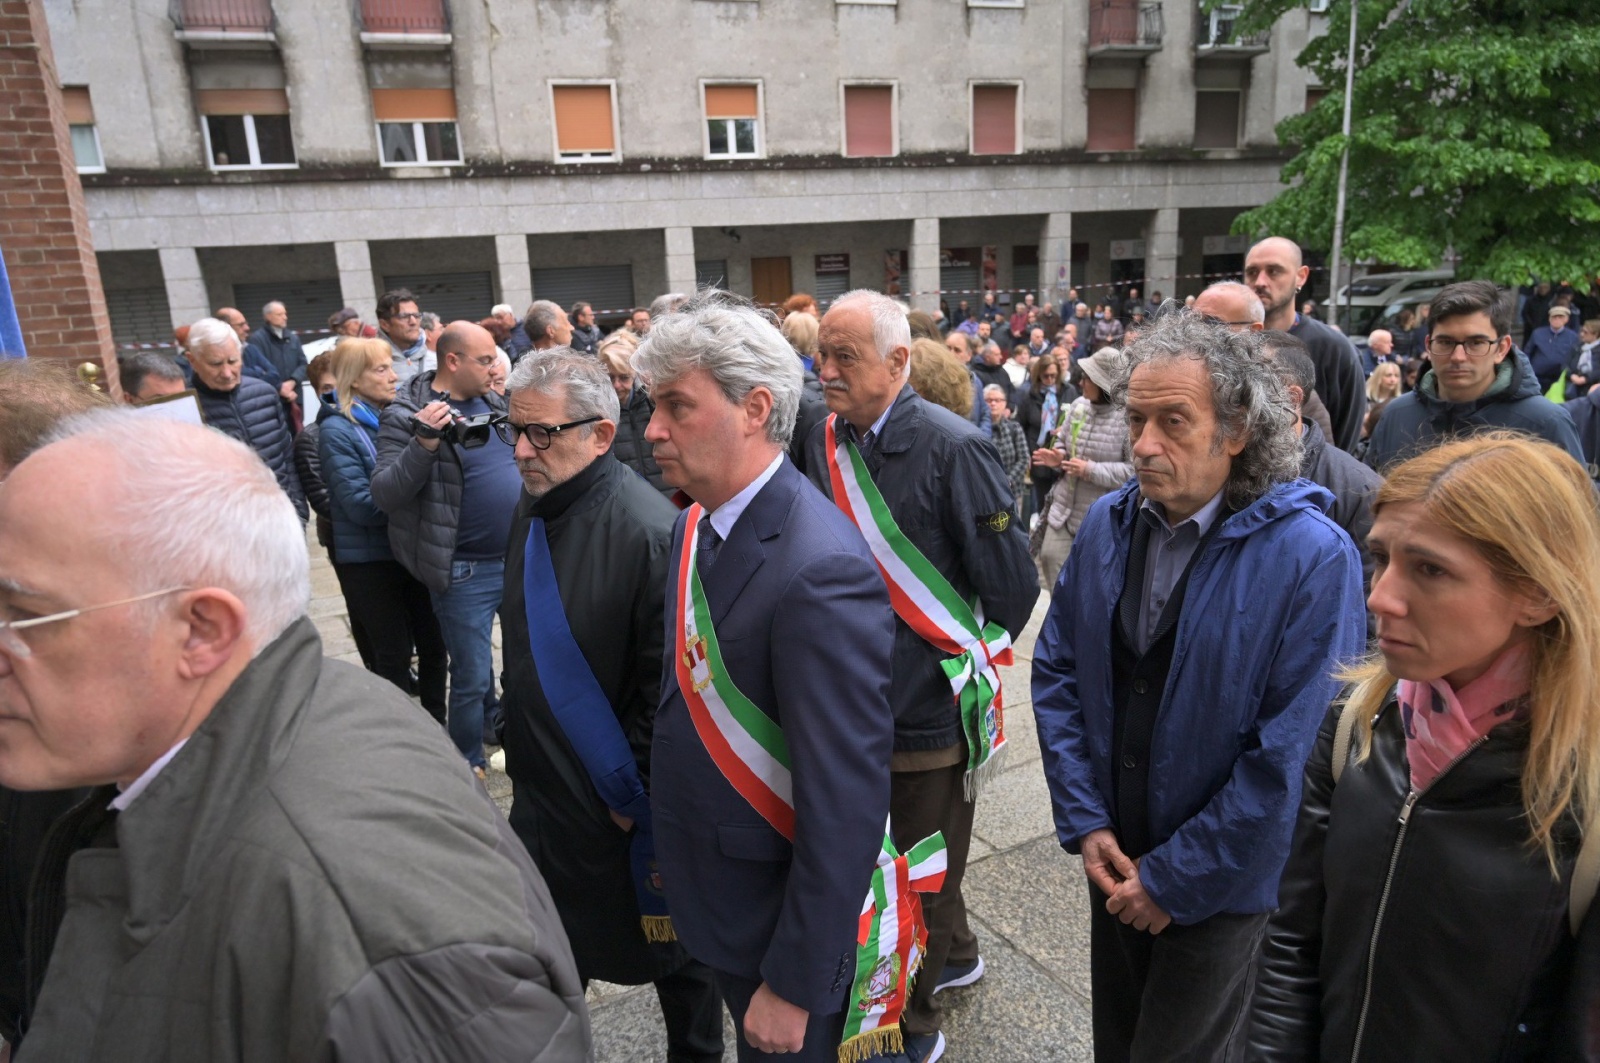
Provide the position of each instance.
(890, 327)
(504, 359)
(192, 507)
(1252, 302)
(733, 341)
(502, 308)
(208, 332)
(588, 389)
(269, 306)
(996, 388)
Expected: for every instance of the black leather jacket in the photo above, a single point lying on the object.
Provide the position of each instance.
(1466, 926)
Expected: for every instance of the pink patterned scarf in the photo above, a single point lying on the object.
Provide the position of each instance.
(1441, 723)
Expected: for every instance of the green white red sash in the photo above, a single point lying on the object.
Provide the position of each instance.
(930, 606)
(749, 749)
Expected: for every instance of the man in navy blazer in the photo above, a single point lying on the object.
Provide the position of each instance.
(806, 633)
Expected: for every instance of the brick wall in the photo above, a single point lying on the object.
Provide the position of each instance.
(44, 228)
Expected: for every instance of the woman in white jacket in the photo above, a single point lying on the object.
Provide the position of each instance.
(1092, 451)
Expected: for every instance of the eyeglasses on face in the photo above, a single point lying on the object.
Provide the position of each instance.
(12, 643)
(1476, 346)
(413, 316)
(539, 436)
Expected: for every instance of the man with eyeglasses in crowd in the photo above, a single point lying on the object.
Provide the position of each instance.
(450, 507)
(1479, 381)
(401, 324)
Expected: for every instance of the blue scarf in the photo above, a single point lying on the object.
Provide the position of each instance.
(586, 717)
(364, 414)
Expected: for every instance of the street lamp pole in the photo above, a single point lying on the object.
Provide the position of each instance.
(1344, 166)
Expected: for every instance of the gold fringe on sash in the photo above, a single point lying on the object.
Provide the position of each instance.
(658, 928)
(884, 1041)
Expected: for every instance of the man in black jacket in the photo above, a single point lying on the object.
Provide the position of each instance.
(1275, 270)
(590, 548)
(947, 492)
(281, 348)
(242, 406)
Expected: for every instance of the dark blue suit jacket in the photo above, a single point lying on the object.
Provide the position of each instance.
(806, 631)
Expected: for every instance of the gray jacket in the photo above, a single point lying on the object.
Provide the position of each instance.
(420, 490)
(271, 897)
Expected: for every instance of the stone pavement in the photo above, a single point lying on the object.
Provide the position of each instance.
(1026, 898)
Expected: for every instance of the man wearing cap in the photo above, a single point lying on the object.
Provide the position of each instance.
(1550, 346)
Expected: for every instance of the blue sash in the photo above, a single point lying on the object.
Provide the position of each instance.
(586, 717)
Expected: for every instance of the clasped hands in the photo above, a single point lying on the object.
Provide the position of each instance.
(1116, 875)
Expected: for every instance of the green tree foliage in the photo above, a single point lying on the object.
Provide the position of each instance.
(1475, 127)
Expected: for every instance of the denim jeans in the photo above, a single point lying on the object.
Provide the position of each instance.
(466, 616)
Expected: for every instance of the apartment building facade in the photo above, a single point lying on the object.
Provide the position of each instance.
(483, 151)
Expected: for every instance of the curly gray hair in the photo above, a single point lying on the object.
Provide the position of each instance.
(1250, 401)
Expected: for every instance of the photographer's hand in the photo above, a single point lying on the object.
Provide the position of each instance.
(434, 415)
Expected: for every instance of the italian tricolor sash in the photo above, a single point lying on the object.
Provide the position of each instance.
(750, 751)
(924, 599)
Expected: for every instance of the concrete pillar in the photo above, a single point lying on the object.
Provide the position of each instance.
(1161, 253)
(1055, 260)
(516, 278)
(923, 284)
(1074, 70)
(355, 277)
(186, 286)
(680, 259)
(1166, 90)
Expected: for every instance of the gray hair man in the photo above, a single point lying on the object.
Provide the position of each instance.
(294, 900)
(280, 346)
(1178, 691)
(579, 498)
(1233, 305)
(966, 532)
(450, 497)
(770, 903)
(546, 325)
(241, 406)
(517, 343)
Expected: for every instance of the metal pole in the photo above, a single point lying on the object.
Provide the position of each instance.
(1344, 167)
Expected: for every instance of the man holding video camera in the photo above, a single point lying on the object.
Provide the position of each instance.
(450, 500)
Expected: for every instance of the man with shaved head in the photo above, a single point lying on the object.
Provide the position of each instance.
(450, 505)
(1276, 272)
(236, 886)
(1232, 305)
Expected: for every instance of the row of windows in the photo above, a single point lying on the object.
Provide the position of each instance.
(250, 129)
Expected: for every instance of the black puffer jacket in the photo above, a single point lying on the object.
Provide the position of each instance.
(308, 466)
(1471, 955)
(420, 489)
(631, 448)
(253, 414)
(1353, 486)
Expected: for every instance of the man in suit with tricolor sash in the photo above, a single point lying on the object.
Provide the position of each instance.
(770, 762)
(934, 503)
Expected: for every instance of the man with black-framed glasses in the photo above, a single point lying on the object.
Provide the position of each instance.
(450, 504)
(400, 321)
(584, 628)
(1479, 381)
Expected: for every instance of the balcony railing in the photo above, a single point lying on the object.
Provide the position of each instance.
(222, 16)
(1215, 32)
(1125, 27)
(404, 16)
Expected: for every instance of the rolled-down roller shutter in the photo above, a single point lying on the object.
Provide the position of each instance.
(140, 315)
(453, 296)
(309, 303)
(608, 289)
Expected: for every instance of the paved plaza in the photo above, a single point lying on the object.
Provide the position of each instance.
(1026, 898)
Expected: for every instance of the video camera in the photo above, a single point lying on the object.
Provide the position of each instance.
(464, 431)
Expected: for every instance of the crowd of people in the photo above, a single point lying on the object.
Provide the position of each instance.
(1315, 689)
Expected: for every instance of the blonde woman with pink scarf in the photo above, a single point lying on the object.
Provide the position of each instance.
(1429, 909)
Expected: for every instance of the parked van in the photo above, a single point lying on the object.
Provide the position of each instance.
(1375, 301)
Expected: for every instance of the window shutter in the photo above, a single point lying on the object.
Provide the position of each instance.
(414, 105)
(79, 110)
(868, 120)
(1216, 119)
(583, 118)
(1112, 114)
(732, 101)
(242, 101)
(994, 119)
